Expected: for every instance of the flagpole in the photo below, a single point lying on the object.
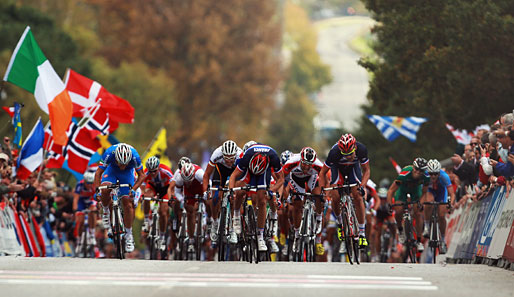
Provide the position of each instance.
(89, 114)
(153, 141)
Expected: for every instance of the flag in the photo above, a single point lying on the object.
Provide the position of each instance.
(395, 165)
(29, 69)
(392, 127)
(158, 148)
(462, 136)
(9, 110)
(16, 122)
(85, 92)
(31, 155)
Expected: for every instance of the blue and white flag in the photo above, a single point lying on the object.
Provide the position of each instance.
(392, 127)
(31, 155)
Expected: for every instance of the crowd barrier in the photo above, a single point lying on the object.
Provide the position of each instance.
(483, 231)
(22, 235)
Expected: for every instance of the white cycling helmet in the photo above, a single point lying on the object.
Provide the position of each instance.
(89, 177)
(182, 161)
(123, 153)
(229, 149)
(152, 163)
(248, 144)
(433, 166)
(187, 172)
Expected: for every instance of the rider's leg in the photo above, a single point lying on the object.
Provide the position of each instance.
(163, 217)
(297, 215)
(190, 210)
(419, 222)
(360, 210)
(442, 221)
(336, 207)
(128, 212)
(427, 211)
(149, 193)
(261, 209)
(92, 219)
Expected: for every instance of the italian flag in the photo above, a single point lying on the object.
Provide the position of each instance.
(29, 69)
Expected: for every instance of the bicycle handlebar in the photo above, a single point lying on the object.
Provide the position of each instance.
(308, 194)
(156, 199)
(113, 186)
(340, 187)
(218, 189)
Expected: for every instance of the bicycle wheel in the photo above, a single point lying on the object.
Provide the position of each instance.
(221, 234)
(152, 237)
(117, 234)
(348, 240)
(253, 235)
(411, 246)
(434, 240)
(84, 242)
(198, 237)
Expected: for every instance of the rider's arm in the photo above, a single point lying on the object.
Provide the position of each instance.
(424, 194)
(279, 181)
(171, 189)
(207, 176)
(75, 201)
(98, 177)
(366, 173)
(377, 201)
(392, 189)
(235, 175)
(323, 176)
(452, 195)
(179, 193)
(140, 179)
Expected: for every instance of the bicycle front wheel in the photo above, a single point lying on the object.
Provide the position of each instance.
(348, 240)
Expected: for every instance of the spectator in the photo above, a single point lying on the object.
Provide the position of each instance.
(506, 167)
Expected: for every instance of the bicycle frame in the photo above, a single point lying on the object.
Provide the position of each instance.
(435, 234)
(153, 234)
(409, 229)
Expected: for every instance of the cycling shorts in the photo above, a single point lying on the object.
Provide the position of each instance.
(415, 194)
(85, 203)
(258, 180)
(298, 184)
(220, 175)
(161, 191)
(353, 172)
(440, 195)
(113, 175)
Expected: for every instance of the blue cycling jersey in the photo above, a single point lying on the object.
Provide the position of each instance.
(440, 188)
(109, 160)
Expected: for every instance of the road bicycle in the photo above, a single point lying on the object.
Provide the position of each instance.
(117, 227)
(153, 234)
(435, 239)
(408, 228)
(85, 244)
(305, 247)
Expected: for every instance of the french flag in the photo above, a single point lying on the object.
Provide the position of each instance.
(31, 155)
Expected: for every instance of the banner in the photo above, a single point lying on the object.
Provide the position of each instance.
(9, 244)
(502, 229)
(491, 220)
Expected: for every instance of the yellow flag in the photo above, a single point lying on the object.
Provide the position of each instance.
(158, 148)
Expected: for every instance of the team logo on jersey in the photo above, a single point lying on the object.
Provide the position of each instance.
(261, 150)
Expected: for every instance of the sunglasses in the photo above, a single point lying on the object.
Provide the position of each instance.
(474, 143)
(349, 153)
(434, 173)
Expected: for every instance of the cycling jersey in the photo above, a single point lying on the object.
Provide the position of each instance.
(299, 179)
(221, 169)
(265, 178)
(86, 193)
(440, 188)
(189, 189)
(113, 173)
(160, 182)
(408, 185)
(341, 165)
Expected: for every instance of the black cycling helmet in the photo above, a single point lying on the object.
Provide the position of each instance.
(420, 163)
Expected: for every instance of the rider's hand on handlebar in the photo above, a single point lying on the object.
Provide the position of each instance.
(205, 195)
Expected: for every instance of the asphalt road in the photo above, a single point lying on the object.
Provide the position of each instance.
(21, 276)
(340, 101)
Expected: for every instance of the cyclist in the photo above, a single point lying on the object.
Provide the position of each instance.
(157, 180)
(83, 199)
(220, 167)
(348, 157)
(372, 203)
(259, 163)
(283, 212)
(438, 189)
(413, 180)
(383, 216)
(303, 170)
(117, 165)
(184, 185)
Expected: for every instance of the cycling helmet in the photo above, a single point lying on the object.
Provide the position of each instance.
(258, 164)
(229, 149)
(248, 144)
(308, 155)
(347, 144)
(89, 177)
(152, 163)
(382, 193)
(433, 166)
(420, 163)
(123, 153)
(182, 161)
(187, 172)
(284, 157)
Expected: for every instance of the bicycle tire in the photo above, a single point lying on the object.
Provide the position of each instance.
(434, 240)
(117, 234)
(411, 247)
(253, 231)
(348, 240)
(152, 237)
(84, 242)
(198, 237)
(221, 234)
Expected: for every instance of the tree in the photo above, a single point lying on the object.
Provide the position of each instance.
(221, 54)
(450, 56)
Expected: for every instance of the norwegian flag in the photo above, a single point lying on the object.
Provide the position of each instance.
(85, 92)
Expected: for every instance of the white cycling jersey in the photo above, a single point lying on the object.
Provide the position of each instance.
(217, 158)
